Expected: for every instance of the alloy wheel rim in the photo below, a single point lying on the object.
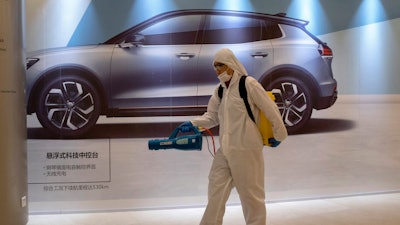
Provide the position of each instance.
(291, 102)
(70, 106)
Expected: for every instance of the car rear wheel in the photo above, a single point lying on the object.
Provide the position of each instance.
(68, 106)
(294, 102)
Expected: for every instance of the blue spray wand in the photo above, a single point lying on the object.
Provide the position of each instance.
(185, 142)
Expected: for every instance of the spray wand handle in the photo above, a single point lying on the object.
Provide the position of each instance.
(181, 129)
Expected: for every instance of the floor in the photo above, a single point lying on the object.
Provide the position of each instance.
(379, 209)
(342, 169)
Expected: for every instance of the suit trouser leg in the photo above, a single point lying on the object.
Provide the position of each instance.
(219, 189)
(247, 168)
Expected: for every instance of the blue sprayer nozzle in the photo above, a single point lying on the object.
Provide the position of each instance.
(186, 142)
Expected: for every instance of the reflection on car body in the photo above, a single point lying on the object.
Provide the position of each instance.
(162, 66)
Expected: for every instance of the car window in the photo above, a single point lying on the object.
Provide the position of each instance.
(231, 29)
(271, 30)
(221, 29)
(179, 30)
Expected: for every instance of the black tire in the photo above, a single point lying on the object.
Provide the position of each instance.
(68, 106)
(294, 101)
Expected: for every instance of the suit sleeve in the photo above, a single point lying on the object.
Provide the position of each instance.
(210, 118)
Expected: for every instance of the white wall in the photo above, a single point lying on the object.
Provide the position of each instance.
(366, 59)
(51, 23)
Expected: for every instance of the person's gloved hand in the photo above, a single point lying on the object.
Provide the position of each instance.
(274, 143)
(186, 126)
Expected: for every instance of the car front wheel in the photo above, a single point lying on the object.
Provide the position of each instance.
(294, 101)
(68, 107)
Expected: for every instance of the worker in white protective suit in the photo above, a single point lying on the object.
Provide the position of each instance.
(239, 161)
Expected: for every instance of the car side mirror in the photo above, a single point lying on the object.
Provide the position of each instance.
(135, 39)
(132, 40)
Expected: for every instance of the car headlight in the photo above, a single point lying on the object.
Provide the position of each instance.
(30, 62)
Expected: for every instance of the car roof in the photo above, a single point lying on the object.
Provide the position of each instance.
(279, 18)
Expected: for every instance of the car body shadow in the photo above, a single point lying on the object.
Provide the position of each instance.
(105, 131)
(163, 130)
(317, 125)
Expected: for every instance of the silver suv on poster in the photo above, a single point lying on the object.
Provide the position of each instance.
(163, 67)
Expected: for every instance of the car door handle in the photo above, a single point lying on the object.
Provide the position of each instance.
(259, 55)
(185, 56)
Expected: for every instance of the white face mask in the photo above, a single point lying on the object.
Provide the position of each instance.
(224, 77)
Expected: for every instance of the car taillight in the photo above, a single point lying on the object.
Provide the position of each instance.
(324, 50)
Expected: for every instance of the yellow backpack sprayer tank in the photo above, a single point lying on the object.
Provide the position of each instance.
(265, 126)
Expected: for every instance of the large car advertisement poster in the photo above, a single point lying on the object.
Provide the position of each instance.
(93, 105)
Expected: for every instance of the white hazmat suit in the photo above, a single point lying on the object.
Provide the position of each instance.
(239, 162)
